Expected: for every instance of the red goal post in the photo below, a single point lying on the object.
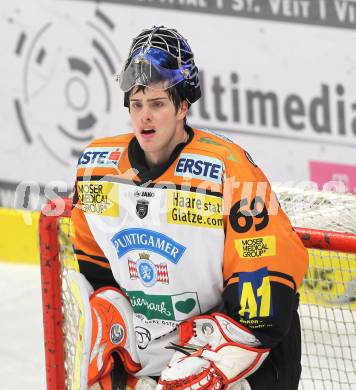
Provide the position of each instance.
(328, 303)
(51, 281)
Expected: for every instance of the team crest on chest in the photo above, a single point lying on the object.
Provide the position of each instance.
(142, 208)
(148, 273)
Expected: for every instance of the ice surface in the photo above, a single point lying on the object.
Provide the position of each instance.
(22, 364)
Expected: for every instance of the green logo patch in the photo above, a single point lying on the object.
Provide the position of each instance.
(185, 306)
(165, 307)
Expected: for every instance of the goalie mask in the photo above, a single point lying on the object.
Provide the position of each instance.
(160, 58)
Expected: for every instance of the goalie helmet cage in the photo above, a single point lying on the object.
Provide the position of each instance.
(328, 292)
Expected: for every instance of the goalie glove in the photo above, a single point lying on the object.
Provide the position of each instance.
(112, 331)
(214, 352)
(105, 326)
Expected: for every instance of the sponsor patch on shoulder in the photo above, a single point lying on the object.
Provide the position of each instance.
(200, 167)
(255, 247)
(99, 197)
(100, 157)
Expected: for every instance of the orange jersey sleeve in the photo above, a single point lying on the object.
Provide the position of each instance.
(264, 259)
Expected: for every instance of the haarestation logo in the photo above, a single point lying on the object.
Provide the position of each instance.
(68, 67)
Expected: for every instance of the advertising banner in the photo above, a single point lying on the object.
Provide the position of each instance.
(278, 77)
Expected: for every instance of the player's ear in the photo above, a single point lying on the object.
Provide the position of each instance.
(183, 110)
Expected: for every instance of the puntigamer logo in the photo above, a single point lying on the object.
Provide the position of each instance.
(144, 239)
(200, 167)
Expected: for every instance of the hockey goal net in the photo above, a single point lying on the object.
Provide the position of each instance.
(326, 223)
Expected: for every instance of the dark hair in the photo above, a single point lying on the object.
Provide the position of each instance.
(173, 94)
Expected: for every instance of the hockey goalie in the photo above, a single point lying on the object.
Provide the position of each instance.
(189, 269)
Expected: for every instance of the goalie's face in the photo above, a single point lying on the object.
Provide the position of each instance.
(157, 124)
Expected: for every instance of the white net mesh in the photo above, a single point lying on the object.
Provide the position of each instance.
(317, 209)
(328, 293)
(328, 321)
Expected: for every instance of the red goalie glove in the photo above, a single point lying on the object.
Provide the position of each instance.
(213, 353)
